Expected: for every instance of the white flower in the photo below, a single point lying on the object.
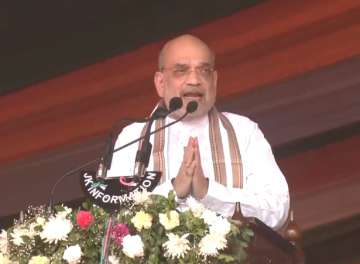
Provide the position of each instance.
(57, 228)
(4, 259)
(221, 226)
(169, 221)
(211, 244)
(3, 242)
(141, 197)
(133, 246)
(17, 235)
(176, 246)
(72, 254)
(40, 221)
(32, 230)
(209, 217)
(63, 214)
(113, 259)
(196, 207)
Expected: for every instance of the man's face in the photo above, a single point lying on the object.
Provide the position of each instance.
(188, 72)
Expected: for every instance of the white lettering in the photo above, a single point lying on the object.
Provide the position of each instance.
(99, 195)
(146, 183)
(114, 198)
(142, 188)
(151, 176)
(87, 176)
(88, 181)
(124, 198)
(93, 192)
(106, 198)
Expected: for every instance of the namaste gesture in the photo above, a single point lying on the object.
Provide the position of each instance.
(190, 178)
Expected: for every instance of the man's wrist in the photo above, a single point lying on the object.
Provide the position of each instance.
(200, 187)
(181, 192)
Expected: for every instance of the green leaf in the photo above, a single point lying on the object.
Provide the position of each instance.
(224, 258)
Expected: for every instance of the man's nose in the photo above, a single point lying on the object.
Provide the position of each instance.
(193, 78)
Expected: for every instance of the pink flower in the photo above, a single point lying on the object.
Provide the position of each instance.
(118, 232)
(84, 219)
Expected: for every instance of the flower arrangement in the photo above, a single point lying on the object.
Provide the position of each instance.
(152, 230)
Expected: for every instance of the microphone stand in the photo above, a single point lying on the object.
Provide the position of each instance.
(143, 154)
(190, 108)
(151, 133)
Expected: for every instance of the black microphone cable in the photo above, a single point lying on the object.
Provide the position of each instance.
(190, 108)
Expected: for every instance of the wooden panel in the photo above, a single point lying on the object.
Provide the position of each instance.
(252, 52)
(29, 181)
(85, 32)
(321, 168)
(284, 40)
(311, 104)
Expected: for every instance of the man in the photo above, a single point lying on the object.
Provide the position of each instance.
(217, 158)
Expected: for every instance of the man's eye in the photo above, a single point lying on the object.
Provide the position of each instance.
(180, 71)
(205, 71)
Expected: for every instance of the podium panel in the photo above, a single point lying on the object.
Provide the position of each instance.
(268, 246)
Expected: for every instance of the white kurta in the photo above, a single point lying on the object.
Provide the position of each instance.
(265, 192)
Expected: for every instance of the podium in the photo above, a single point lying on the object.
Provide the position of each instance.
(269, 247)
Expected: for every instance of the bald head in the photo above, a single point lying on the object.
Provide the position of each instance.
(179, 43)
(187, 70)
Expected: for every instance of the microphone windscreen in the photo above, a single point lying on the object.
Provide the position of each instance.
(175, 104)
(160, 112)
(191, 107)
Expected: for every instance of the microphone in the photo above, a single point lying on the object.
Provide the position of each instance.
(160, 112)
(190, 108)
(175, 104)
(103, 163)
(143, 154)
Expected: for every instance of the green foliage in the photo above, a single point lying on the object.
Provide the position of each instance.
(33, 242)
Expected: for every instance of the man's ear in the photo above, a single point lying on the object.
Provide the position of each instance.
(159, 83)
(215, 78)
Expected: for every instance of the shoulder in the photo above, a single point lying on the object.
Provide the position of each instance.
(133, 128)
(240, 121)
(129, 133)
(247, 131)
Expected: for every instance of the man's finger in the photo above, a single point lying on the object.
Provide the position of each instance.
(197, 158)
(189, 170)
(189, 154)
(197, 151)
